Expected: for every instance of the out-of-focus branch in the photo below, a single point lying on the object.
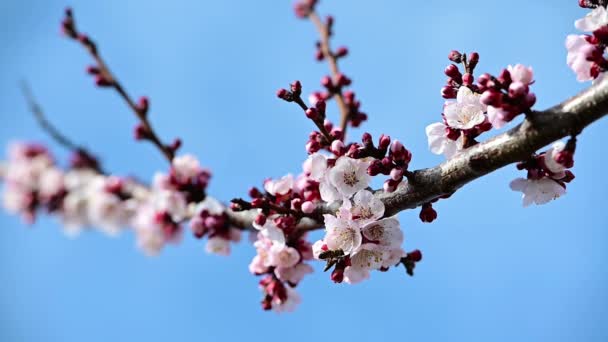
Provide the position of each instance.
(42, 121)
(105, 78)
(81, 157)
(325, 35)
(539, 129)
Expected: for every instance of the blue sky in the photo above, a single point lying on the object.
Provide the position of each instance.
(492, 270)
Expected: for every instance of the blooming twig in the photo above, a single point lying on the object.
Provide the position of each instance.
(105, 78)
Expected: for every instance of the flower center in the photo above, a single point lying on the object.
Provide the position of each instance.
(350, 178)
(375, 232)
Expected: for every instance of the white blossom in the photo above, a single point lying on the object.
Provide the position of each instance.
(594, 20)
(439, 143)
(186, 167)
(283, 256)
(280, 186)
(349, 176)
(551, 161)
(386, 232)
(537, 191)
(270, 231)
(289, 305)
(579, 51)
(521, 73)
(342, 234)
(466, 112)
(365, 207)
(218, 245)
(293, 274)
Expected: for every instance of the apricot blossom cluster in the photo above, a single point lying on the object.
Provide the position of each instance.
(362, 234)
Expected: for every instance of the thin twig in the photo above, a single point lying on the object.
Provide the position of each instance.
(44, 123)
(112, 81)
(333, 66)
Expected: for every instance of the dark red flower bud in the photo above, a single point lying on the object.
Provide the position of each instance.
(383, 142)
(455, 56)
(448, 92)
(427, 214)
(414, 255)
(473, 60)
(341, 52)
(453, 72)
(260, 219)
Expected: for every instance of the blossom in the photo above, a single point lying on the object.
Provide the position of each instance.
(342, 234)
(594, 20)
(365, 207)
(521, 73)
(355, 275)
(318, 247)
(283, 256)
(149, 234)
(369, 257)
(185, 167)
(288, 305)
(171, 202)
(349, 176)
(280, 186)
(498, 117)
(467, 112)
(537, 191)
(386, 233)
(293, 274)
(550, 159)
(315, 166)
(51, 182)
(218, 245)
(580, 53)
(438, 141)
(270, 231)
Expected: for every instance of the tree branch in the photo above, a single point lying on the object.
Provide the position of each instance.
(42, 121)
(539, 129)
(324, 34)
(105, 78)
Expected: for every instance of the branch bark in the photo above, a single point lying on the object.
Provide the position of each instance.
(538, 129)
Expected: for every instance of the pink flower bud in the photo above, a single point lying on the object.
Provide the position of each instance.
(308, 207)
(396, 174)
(312, 113)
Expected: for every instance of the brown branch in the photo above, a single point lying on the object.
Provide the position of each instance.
(107, 78)
(539, 129)
(324, 34)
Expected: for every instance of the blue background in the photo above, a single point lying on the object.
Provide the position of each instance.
(492, 270)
